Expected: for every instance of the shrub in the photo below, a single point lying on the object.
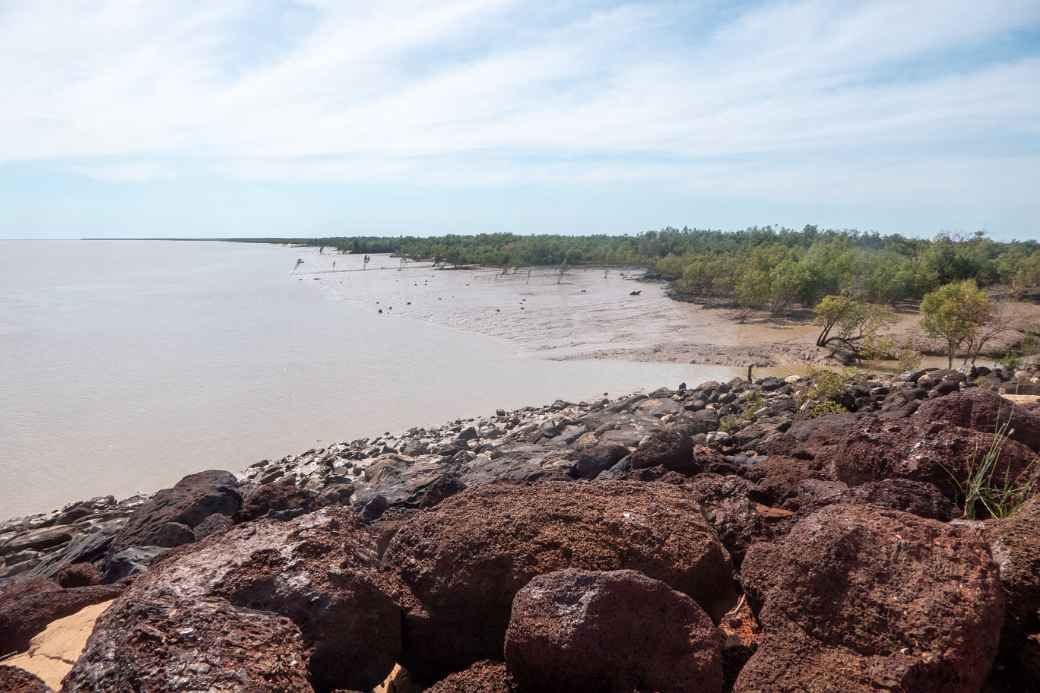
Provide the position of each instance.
(984, 492)
(827, 386)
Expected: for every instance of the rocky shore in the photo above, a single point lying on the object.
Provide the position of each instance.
(799, 534)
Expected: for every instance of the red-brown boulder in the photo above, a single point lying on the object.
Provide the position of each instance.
(777, 479)
(157, 643)
(320, 571)
(859, 598)
(28, 605)
(611, 631)
(466, 558)
(485, 676)
(15, 680)
(937, 454)
(983, 410)
(78, 575)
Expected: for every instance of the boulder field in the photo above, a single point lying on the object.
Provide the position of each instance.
(728, 537)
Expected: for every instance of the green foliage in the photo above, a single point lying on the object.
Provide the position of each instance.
(955, 313)
(759, 267)
(1010, 360)
(852, 326)
(984, 492)
(827, 386)
(731, 423)
(826, 407)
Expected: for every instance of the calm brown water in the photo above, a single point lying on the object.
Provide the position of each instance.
(125, 365)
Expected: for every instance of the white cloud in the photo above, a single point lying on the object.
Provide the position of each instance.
(470, 91)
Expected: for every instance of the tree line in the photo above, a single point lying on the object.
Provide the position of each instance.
(759, 267)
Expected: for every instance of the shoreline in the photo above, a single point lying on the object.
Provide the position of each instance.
(396, 468)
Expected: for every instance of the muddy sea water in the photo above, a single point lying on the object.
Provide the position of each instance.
(125, 365)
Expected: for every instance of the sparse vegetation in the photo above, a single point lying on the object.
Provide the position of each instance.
(986, 493)
(961, 315)
(827, 387)
(852, 327)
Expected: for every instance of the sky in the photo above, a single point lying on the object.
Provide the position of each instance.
(319, 118)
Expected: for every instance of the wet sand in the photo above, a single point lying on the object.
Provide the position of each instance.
(591, 314)
(584, 314)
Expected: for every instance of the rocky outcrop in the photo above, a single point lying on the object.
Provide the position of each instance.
(15, 680)
(574, 630)
(466, 558)
(28, 605)
(836, 523)
(167, 518)
(310, 586)
(858, 598)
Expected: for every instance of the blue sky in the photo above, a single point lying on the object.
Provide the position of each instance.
(266, 117)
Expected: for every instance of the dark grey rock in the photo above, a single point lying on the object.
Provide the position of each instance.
(131, 561)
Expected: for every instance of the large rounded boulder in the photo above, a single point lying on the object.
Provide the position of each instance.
(467, 558)
(983, 410)
(860, 598)
(283, 602)
(939, 453)
(611, 631)
(169, 516)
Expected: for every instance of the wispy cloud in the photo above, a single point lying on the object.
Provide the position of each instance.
(770, 99)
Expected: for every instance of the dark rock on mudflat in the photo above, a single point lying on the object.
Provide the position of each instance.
(28, 605)
(485, 676)
(341, 628)
(15, 680)
(576, 630)
(188, 503)
(466, 558)
(858, 598)
(668, 448)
